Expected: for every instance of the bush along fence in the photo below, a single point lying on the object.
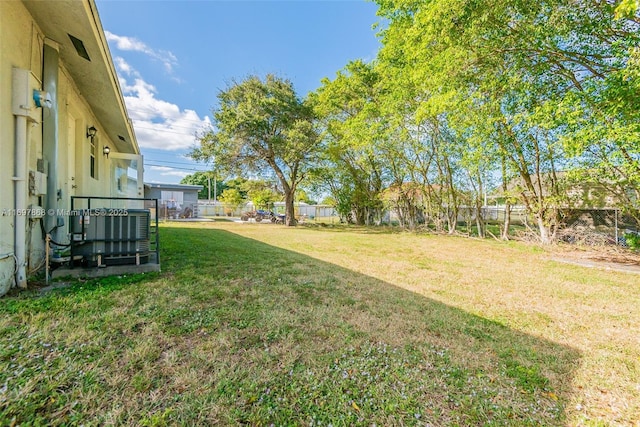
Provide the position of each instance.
(596, 227)
(592, 227)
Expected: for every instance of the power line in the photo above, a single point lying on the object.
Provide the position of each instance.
(168, 161)
(176, 167)
(156, 114)
(170, 125)
(163, 131)
(155, 111)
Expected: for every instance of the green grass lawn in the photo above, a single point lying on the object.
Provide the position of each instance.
(261, 324)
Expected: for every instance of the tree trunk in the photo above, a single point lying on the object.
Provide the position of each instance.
(507, 204)
(479, 203)
(452, 199)
(545, 235)
(480, 224)
(507, 221)
(290, 218)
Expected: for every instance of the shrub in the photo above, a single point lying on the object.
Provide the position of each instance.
(633, 241)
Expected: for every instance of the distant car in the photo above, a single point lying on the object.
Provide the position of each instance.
(258, 215)
(278, 218)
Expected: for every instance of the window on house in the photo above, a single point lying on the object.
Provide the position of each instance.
(93, 166)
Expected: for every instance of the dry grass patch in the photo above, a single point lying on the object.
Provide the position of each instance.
(261, 324)
(591, 310)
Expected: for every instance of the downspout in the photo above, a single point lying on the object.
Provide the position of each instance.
(20, 193)
(21, 107)
(50, 138)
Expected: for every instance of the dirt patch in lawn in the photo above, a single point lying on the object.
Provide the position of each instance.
(609, 258)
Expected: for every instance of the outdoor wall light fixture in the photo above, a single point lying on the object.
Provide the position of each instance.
(106, 150)
(91, 132)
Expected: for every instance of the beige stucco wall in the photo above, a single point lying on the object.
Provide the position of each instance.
(75, 117)
(21, 46)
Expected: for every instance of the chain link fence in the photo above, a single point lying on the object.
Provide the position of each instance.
(591, 227)
(302, 211)
(595, 227)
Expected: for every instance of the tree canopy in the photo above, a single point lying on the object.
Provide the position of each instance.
(206, 179)
(527, 89)
(470, 95)
(262, 128)
(510, 98)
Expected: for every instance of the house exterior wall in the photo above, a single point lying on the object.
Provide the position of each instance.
(75, 117)
(17, 49)
(21, 46)
(189, 196)
(152, 193)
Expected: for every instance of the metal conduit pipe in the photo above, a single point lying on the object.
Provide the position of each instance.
(50, 137)
(20, 199)
(24, 108)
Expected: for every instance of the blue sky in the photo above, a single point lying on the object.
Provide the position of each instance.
(173, 58)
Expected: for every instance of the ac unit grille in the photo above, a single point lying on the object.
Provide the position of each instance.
(112, 239)
(126, 235)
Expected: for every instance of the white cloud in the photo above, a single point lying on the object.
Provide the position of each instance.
(158, 124)
(123, 66)
(168, 171)
(167, 58)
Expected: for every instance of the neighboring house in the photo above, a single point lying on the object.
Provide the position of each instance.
(575, 193)
(64, 129)
(174, 200)
(593, 195)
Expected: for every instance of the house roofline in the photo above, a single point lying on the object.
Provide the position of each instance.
(163, 186)
(94, 77)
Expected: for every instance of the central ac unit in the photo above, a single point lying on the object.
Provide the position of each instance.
(110, 236)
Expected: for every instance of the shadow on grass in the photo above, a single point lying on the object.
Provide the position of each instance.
(343, 227)
(240, 332)
(337, 327)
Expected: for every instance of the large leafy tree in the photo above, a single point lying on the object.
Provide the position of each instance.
(208, 180)
(263, 194)
(232, 198)
(262, 128)
(524, 81)
(354, 136)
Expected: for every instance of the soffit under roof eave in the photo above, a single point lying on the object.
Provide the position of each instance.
(96, 79)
